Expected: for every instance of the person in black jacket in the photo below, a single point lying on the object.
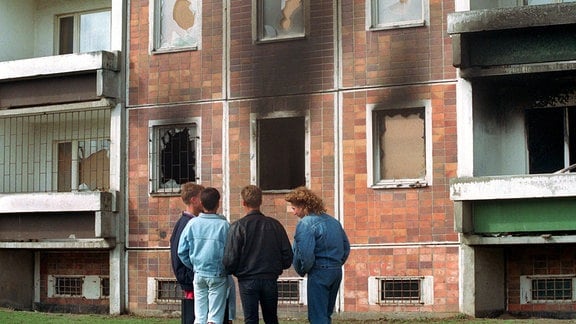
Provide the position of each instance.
(257, 252)
(190, 194)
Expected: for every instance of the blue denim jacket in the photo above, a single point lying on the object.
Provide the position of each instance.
(319, 242)
(202, 244)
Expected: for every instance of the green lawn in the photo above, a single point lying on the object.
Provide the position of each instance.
(8, 316)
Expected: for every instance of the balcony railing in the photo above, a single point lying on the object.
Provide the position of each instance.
(55, 151)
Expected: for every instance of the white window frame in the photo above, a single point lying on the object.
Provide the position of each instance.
(259, 30)
(153, 288)
(254, 117)
(91, 287)
(372, 23)
(153, 151)
(526, 289)
(155, 18)
(372, 151)
(76, 34)
(302, 290)
(426, 290)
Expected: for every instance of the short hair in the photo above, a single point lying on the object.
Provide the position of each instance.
(189, 190)
(305, 198)
(252, 196)
(210, 198)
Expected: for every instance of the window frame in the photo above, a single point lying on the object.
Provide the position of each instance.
(372, 22)
(154, 156)
(154, 291)
(155, 43)
(77, 30)
(302, 291)
(372, 158)
(526, 289)
(254, 152)
(258, 30)
(426, 290)
(91, 286)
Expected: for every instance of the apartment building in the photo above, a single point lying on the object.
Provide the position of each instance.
(354, 99)
(62, 156)
(515, 188)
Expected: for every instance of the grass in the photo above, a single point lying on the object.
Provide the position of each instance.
(8, 316)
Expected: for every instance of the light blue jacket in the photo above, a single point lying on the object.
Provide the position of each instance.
(202, 244)
(319, 242)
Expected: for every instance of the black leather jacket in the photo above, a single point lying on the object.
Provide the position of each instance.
(257, 247)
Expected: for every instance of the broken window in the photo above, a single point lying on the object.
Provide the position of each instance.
(397, 13)
(281, 19)
(84, 32)
(84, 165)
(281, 152)
(177, 24)
(551, 145)
(173, 156)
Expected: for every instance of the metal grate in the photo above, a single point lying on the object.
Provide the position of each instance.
(400, 290)
(60, 151)
(551, 289)
(289, 291)
(68, 286)
(168, 290)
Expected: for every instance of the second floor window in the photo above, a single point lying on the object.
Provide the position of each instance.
(84, 32)
(177, 25)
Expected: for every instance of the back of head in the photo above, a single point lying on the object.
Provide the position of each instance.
(305, 198)
(210, 198)
(189, 190)
(252, 196)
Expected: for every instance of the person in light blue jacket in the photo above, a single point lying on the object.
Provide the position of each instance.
(201, 247)
(321, 247)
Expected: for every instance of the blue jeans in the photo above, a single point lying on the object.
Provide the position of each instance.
(264, 291)
(210, 299)
(323, 285)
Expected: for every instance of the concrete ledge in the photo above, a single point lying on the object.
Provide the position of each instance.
(58, 202)
(100, 244)
(517, 240)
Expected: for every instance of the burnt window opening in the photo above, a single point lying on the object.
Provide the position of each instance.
(399, 145)
(551, 144)
(281, 145)
(173, 154)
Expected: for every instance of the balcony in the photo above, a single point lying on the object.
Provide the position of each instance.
(520, 209)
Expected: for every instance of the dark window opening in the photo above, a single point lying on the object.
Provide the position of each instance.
(66, 40)
(281, 153)
(552, 289)
(400, 290)
(105, 287)
(551, 145)
(177, 157)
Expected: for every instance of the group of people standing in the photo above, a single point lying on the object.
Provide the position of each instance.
(207, 250)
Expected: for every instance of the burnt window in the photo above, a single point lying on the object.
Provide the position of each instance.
(173, 157)
(281, 152)
(400, 140)
(551, 145)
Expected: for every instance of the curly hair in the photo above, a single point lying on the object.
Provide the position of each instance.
(305, 198)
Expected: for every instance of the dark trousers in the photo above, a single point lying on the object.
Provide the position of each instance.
(188, 311)
(263, 292)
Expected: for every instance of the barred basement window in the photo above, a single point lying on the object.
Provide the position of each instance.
(292, 291)
(168, 290)
(68, 286)
(547, 289)
(400, 290)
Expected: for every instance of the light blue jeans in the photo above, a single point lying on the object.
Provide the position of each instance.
(210, 298)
